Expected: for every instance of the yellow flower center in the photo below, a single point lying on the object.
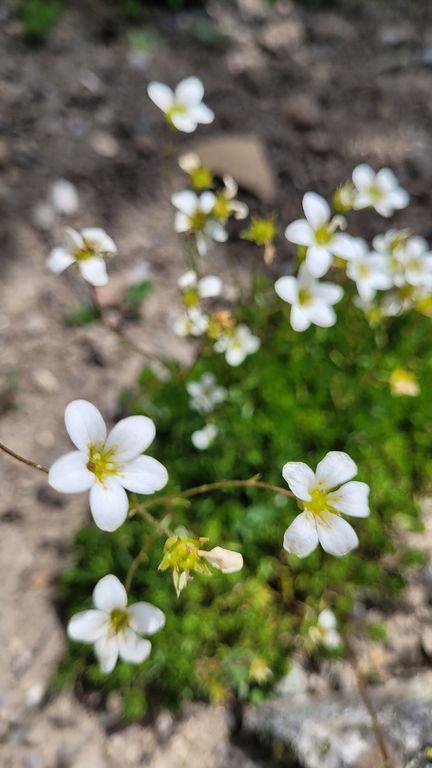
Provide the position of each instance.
(323, 235)
(221, 209)
(304, 296)
(119, 621)
(174, 110)
(197, 221)
(319, 506)
(375, 193)
(101, 462)
(191, 298)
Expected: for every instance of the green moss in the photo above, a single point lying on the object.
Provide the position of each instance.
(298, 397)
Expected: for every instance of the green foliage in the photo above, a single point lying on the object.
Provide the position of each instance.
(38, 17)
(298, 397)
(137, 293)
(83, 314)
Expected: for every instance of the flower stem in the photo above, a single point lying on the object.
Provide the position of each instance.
(22, 459)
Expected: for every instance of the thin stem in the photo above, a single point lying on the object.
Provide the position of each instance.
(22, 459)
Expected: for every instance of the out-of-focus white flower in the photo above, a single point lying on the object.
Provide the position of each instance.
(184, 107)
(106, 465)
(115, 628)
(325, 632)
(237, 344)
(404, 382)
(320, 521)
(205, 394)
(64, 197)
(318, 233)
(203, 438)
(194, 216)
(88, 249)
(370, 271)
(225, 203)
(225, 560)
(311, 301)
(379, 190)
(416, 261)
(194, 289)
(191, 323)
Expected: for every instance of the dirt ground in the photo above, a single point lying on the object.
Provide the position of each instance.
(323, 90)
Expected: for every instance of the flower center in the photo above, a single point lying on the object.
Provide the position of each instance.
(174, 110)
(304, 296)
(318, 505)
(376, 194)
(323, 235)
(101, 463)
(191, 298)
(197, 221)
(119, 621)
(85, 253)
(221, 209)
(363, 270)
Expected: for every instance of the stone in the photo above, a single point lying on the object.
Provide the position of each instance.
(302, 109)
(282, 36)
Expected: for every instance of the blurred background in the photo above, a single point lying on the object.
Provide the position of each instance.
(316, 87)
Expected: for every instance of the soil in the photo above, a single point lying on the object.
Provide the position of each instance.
(323, 89)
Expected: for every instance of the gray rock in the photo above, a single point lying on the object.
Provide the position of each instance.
(334, 731)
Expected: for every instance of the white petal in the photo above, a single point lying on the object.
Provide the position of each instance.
(317, 210)
(109, 504)
(94, 271)
(143, 475)
(189, 91)
(399, 198)
(216, 231)
(286, 288)
(69, 474)
(299, 318)
(327, 619)
(134, 649)
(299, 232)
(146, 618)
(335, 468)
(235, 356)
(160, 95)
(322, 315)
(225, 560)
(207, 201)
(72, 240)
(318, 260)
(363, 176)
(59, 260)
(336, 536)
(109, 594)
(300, 478)
(210, 287)
(87, 626)
(188, 280)
(64, 197)
(182, 222)
(99, 240)
(301, 538)
(84, 424)
(184, 123)
(329, 293)
(106, 650)
(386, 180)
(351, 499)
(130, 437)
(203, 114)
(345, 246)
(201, 244)
(186, 201)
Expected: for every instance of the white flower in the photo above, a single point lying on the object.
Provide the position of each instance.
(370, 271)
(114, 627)
(107, 465)
(320, 520)
(237, 344)
(203, 438)
(183, 108)
(88, 249)
(194, 217)
(226, 560)
(311, 301)
(205, 394)
(325, 631)
(194, 289)
(416, 261)
(225, 203)
(379, 190)
(318, 233)
(191, 323)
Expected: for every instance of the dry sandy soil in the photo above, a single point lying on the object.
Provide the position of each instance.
(323, 90)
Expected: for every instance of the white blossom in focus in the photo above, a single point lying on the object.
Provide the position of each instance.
(184, 107)
(237, 344)
(194, 216)
(321, 521)
(318, 233)
(203, 438)
(370, 271)
(311, 301)
(205, 394)
(115, 628)
(379, 190)
(107, 465)
(88, 249)
(325, 632)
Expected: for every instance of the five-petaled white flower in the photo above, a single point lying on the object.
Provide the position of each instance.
(318, 233)
(320, 520)
(114, 627)
(203, 438)
(194, 216)
(311, 301)
(194, 289)
(183, 108)
(107, 465)
(370, 271)
(415, 258)
(379, 190)
(237, 344)
(205, 394)
(325, 632)
(88, 249)
(191, 323)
